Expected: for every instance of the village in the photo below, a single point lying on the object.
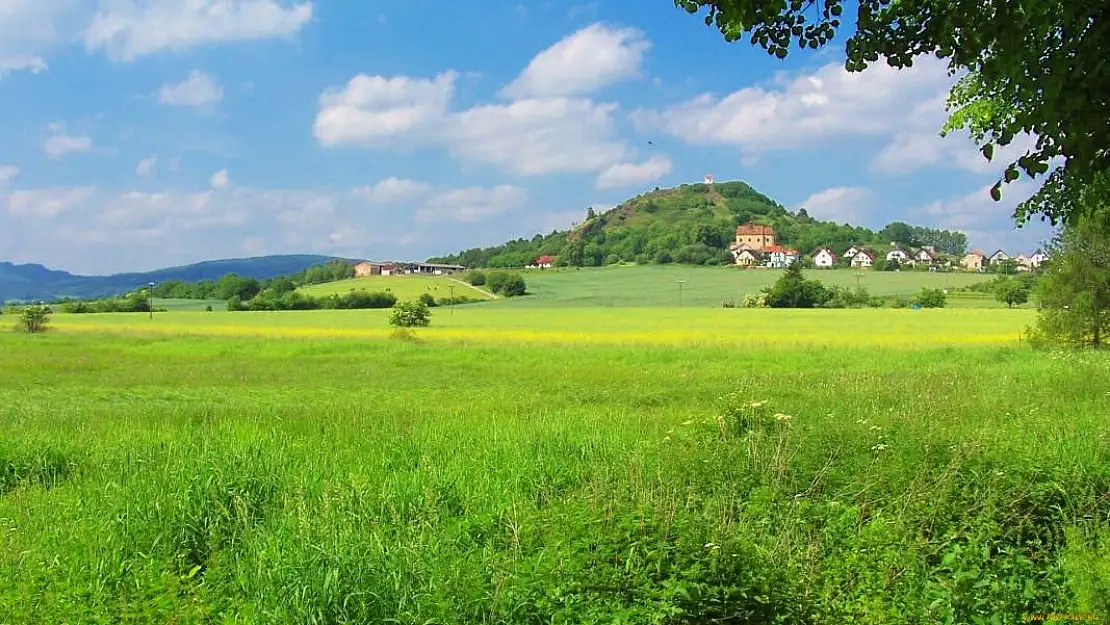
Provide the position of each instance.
(756, 246)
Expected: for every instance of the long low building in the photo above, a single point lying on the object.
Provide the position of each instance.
(390, 268)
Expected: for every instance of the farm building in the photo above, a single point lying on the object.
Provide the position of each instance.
(824, 258)
(369, 268)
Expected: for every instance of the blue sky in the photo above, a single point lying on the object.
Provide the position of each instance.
(140, 134)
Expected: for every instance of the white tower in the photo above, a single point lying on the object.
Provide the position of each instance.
(709, 179)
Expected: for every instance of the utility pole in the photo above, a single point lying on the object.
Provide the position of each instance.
(452, 287)
(151, 300)
(680, 283)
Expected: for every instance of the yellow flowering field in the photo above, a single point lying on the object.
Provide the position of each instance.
(890, 327)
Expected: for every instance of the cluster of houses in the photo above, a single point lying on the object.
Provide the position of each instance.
(756, 246)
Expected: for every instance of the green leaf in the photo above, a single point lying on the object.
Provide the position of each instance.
(996, 191)
(988, 151)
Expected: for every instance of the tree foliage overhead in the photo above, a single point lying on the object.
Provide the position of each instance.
(690, 224)
(1032, 66)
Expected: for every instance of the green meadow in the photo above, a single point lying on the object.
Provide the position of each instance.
(658, 285)
(515, 464)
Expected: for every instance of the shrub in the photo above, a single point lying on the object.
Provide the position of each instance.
(728, 304)
(792, 290)
(475, 277)
(754, 300)
(234, 303)
(410, 315)
(506, 284)
(428, 299)
(33, 319)
(208, 308)
(366, 299)
(931, 298)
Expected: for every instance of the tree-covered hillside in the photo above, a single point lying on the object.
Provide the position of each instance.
(695, 224)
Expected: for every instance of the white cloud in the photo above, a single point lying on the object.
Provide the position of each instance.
(146, 166)
(988, 224)
(61, 144)
(471, 204)
(539, 136)
(8, 173)
(913, 150)
(840, 204)
(527, 137)
(22, 62)
(632, 174)
(391, 190)
(198, 90)
(370, 110)
(587, 60)
(799, 111)
(219, 179)
(128, 29)
(46, 203)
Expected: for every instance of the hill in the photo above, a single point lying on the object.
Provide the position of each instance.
(692, 224)
(32, 281)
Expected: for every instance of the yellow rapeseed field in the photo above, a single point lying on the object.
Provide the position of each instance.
(889, 327)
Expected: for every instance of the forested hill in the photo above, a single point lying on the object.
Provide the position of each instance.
(692, 223)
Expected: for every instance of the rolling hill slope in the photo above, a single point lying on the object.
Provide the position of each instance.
(692, 224)
(31, 281)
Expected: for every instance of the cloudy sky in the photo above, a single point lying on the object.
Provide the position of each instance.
(138, 134)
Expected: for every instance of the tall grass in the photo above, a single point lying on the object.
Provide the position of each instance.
(253, 480)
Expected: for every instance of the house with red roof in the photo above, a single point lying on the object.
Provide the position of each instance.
(543, 262)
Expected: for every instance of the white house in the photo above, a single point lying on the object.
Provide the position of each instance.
(925, 256)
(779, 257)
(824, 258)
(998, 257)
(862, 259)
(850, 252)
(897, 254)
(747, 257)
(1023, 262)
(1039, 258)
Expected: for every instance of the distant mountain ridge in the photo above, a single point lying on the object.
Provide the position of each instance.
(36, 282)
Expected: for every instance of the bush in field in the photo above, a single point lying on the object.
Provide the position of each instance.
(475, 277)
(506, 284)
(754, 300)
(792, 290)
(33, 319)
(930, 298)
(410, 315)
(428, 299)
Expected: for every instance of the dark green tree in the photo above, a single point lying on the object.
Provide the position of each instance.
(1075, 291)
(792, 290)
